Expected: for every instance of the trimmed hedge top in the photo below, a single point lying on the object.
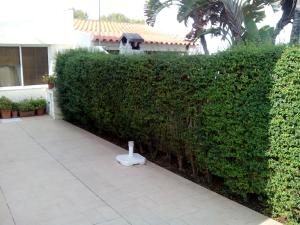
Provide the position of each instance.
(233, 115)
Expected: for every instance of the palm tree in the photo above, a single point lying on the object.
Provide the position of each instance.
(295, 35)
(223, 16)
(233, 20)
(288, 13)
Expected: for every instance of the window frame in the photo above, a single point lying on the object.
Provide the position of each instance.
(22, 86)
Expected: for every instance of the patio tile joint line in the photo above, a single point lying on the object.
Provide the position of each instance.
(7, 205)
(72, 174)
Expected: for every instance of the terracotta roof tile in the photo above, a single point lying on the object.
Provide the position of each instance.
(112, 31)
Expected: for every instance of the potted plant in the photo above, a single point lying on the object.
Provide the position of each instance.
(5, 107)
(15, 109)
(50, 80)
(40, 106)
(26, 108)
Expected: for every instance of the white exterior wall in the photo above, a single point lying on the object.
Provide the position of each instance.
(35, 91)
(149, 47)
(20, 93)
(127, 49)
(52, 52)
(47, 29)
(47, 24)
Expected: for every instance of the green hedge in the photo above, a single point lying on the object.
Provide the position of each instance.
(221, 115)
(284, 136)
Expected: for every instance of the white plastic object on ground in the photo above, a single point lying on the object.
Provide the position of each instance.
(131, 158)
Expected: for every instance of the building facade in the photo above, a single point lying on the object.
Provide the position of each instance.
(27, 52)
(108, 34)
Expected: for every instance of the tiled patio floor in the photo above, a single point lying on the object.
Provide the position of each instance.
(53, 173)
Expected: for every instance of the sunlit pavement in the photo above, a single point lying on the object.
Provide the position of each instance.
(53, 173)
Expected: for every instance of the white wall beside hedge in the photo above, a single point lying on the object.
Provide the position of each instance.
(20, 93)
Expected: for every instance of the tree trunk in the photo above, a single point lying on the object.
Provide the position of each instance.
(277, 30)
(180, 162)
(295, 35)
(288, 10)
(193, 165)
(204, 44)
(208, 176)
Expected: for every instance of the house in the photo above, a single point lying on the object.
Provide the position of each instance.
(27, 52)
(111, 33)
(28, 47)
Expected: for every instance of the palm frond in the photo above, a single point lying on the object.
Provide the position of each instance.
(255, 12)
(234, 16)
(153, 7)
(187, 7)
(226, 18)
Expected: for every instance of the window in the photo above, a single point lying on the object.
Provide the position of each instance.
(135, 45)
(21, 66)
(10, 74)
(35, 64)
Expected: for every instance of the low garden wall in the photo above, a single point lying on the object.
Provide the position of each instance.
(233, 116)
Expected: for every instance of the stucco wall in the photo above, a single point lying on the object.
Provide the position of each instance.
(35, 91)
(52, 52)
(149, 47)
(20, 93)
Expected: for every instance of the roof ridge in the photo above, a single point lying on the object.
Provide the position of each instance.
(114, 30)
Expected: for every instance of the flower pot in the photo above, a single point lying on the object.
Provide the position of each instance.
(40, 112)
(6, 114)
(14, 114)
(50, 85)
(27, 114)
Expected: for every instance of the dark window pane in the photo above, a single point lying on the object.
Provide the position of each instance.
(9, 67)
(35, 64)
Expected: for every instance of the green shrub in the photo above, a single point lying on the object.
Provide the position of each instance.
(217, 114)
(284, 135)
(15, 106)
(49, 79)
(26, 105)
(39, 103)
(5, 103)
(236, 118)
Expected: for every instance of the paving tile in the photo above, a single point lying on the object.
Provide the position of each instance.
(5, 217)
(115, 222)
(177, 221)
(53, 173)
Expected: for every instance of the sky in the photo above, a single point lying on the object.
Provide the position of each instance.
(32, 10)
(166, 20)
